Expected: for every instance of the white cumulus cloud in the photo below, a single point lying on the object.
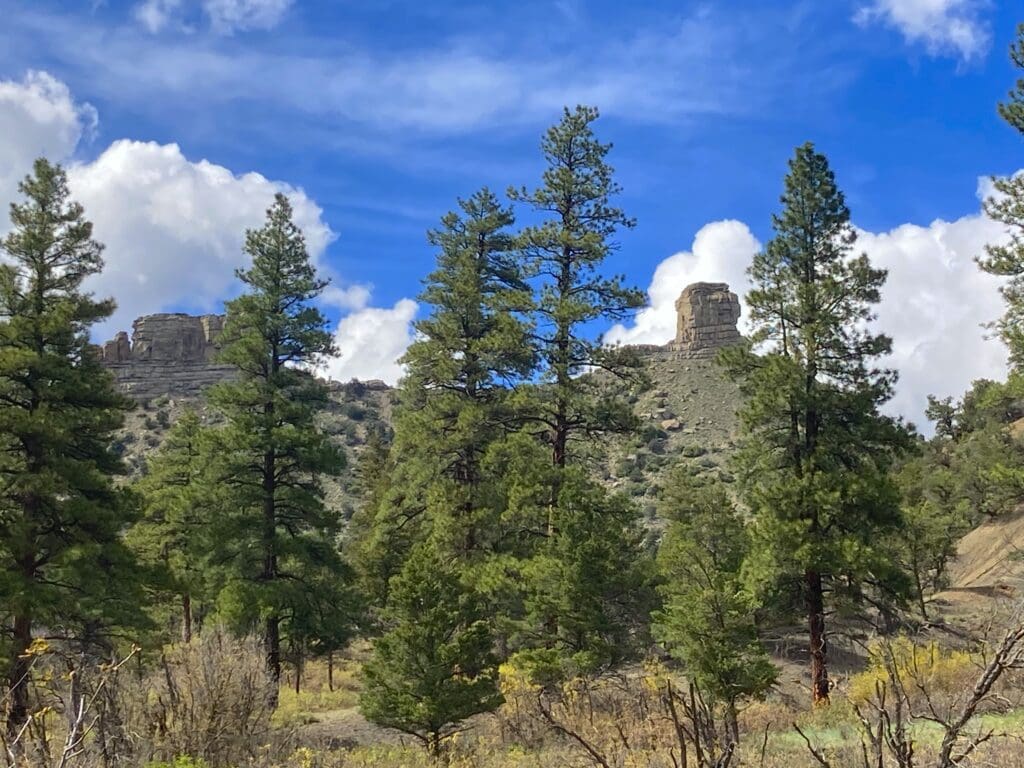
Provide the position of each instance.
(942, 26)
(721, 253)
(934, 305)
(38, 116)
(371, 340)
(173, 227)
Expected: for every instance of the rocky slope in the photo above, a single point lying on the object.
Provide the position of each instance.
(687, 412)
(169, 361)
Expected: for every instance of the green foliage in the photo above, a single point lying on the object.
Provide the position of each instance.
(566, 252)
(63, 564)
(707, 620)
(1006, 206)
(976, 459)
(275, 538)
(588, 586)
(172, 535)
(454, 402)
(433, 667)
(935, 518)
(816, 455)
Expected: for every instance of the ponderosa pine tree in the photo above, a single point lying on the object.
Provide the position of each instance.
(588, 564)
(437, 522)
(566, 252)
(587, 586)
(1006, 206)
(817, 453)
(172, 534)
(435, 666)
(453, 401)
(275, 538)
(707, 620)
(61, 515)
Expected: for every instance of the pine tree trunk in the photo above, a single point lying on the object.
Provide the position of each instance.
(186, 618)
(920, 590)
(818, 642)
(17, 677)
(272, 632)
(732, 721)
(563, 347)
(272, 646)
(330, 671)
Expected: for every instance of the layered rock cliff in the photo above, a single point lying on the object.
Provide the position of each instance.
(174, 354)
(167, 354)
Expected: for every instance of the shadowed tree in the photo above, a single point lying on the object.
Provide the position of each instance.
(708, 617)
(61, 515)
(172, 536)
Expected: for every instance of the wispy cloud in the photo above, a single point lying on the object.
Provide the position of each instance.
(230, 15)
(155, 15)
(687, 67)
(222, 16)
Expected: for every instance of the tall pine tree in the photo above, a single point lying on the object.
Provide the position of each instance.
(61, 515)
(454, 399)
(817, 452)
(566, 252)
(437, 522)
(276, 538)
(587, 567)
(1007, 207)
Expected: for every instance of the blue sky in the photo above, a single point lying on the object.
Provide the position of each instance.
(384, 112)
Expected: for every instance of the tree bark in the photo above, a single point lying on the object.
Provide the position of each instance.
(272, 630)
(186, 618)
(272, 645)
(818, 639)
(17, 677)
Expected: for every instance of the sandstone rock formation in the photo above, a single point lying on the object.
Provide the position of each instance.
(168, 354)
(706, 319)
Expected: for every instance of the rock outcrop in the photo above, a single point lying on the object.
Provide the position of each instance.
(707, 314)
(168, 354)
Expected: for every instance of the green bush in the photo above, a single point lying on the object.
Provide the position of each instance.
(181, 761)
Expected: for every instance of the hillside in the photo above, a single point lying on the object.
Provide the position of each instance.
(687, 410)
(987, 575)
(688, 413)
(169, 361)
